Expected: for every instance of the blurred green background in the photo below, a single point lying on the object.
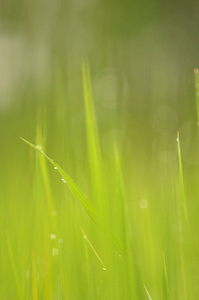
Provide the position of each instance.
(141, 55)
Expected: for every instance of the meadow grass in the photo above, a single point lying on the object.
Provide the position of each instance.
(94, 228)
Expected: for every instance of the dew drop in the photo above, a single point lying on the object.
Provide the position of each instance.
(143, 203)
(39, 147)
(53, 236)
(55, 251)
(55, 168)
(104, 269)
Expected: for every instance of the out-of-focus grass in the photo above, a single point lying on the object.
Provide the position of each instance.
(143, 242)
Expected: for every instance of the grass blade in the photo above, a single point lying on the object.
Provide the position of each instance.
(196, 73)
(181, 181)
(81, 197)
(147, 292)
(14, 268)
(165, 276)
(93, 249)
(34, 279)
(93, 143)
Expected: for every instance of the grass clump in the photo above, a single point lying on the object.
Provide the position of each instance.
(128, 239)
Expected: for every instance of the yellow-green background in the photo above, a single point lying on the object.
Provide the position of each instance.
(141, 56)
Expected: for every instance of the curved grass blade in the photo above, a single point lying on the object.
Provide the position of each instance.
(81, 197)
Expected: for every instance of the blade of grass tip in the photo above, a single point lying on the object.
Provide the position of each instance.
(184, 212)
(80, 196)
(95, 159)
(115, 241)
(87, 260)
(14, 268)
(93, 143)
(196, 75)
(147, 292)
(87, 205)
(44, 171)
(181, 181)
(93, 249)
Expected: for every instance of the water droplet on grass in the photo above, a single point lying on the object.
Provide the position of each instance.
(143, 203)
(53, 236)
(39, 147)
(104, 269)
(55, 168)
(55, 251)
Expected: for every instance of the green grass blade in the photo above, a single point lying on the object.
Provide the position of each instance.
(44, 171)
(93, 143)
(34, 279)
(181, 181)
(165, 276)
(14, 268)
(196, 73)
(147, 292)
(81, 197)
(183, 220)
